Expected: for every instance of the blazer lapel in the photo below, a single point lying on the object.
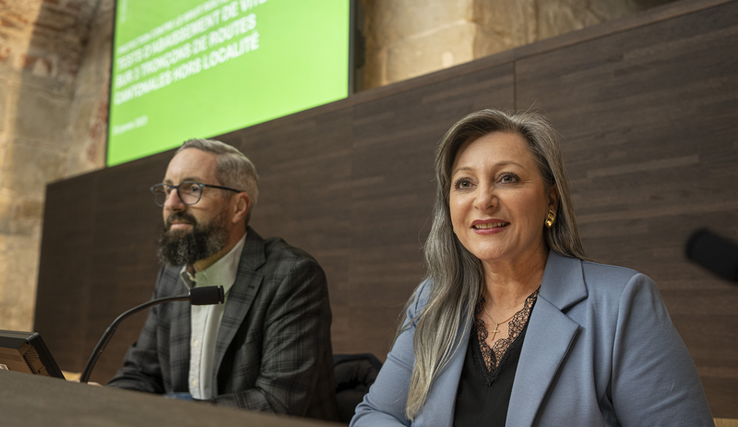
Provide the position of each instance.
(548, 338)
(241, 295)
(179, 336)
(439, 406)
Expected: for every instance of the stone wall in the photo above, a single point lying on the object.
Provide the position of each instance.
(54, 72)
(409, 38)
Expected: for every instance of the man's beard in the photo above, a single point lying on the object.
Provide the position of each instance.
(184, 247)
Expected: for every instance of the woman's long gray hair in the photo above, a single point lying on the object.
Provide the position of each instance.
(456, 274)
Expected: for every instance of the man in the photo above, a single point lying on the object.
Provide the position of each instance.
(268, 347)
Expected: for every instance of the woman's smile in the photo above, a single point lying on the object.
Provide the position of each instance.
(489, 226)
(498, 200)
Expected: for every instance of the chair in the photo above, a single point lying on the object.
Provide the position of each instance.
(354, 373)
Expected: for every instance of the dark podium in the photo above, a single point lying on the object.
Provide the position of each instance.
(32, 400)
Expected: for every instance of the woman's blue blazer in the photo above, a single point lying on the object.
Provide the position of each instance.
(600, 350)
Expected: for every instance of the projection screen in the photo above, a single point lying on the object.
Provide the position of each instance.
(198, 68)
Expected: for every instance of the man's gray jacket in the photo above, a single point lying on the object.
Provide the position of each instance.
(273, 351)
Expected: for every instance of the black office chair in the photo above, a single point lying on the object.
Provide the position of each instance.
(354, 373)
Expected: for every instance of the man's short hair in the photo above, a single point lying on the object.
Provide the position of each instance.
(233, 168)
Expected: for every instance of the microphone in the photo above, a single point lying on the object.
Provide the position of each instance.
(206, 295)
(713, 252)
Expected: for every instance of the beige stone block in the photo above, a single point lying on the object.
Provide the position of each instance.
(8, 206)
(80, 114)
(30, 209)
(88, 132)
(105, 7)
(94, 73)
(503, 25)
(3, 152)
(18, 278)
(14, 227)
(28, 168)
(562, 16)
(87, 158)
(375, 69)
(608, 10)
(41, 116)
(63, 22)
(391, 21)
(3, 103)
(48, 86)
(440, 49)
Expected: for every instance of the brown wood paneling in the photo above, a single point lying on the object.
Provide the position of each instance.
(63, 293)
(646, 109)
(353, 187)
(305, 188)
(648, 119)
(97, 261)
(127, 224)
(393, 192)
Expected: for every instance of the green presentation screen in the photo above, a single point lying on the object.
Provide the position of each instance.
(199, 68)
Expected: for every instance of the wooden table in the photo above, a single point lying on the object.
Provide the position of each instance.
(32, 400)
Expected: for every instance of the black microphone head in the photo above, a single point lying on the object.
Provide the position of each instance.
(207, 295)
(713, 252)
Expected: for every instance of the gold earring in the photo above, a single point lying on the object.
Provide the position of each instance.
(550, 219)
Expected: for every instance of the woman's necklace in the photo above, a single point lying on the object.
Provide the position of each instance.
(494, 333)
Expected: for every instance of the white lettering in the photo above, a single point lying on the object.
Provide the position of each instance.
(234, 29)
(167, 60)
(229, 11)
(140, 89)
(199, 44)
(136, 123)
(170, 25)
(124, 79)
(247, 5)
(185, 33)
(188, 69)
(233, 50)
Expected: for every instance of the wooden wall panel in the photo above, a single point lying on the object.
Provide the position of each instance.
(124, 268)
(305, 170)
(649, 124)
(98, 259)
(63, 294)
(394, 191)
(646, 109)
(352, 186)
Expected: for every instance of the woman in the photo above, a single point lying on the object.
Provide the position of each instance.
(513, 326)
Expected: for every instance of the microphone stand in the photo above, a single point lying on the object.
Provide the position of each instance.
(108, 335)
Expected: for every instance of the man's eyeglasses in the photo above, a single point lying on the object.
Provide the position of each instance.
(189, 192)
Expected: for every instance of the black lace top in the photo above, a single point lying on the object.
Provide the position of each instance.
(488, 373)
(492, 356)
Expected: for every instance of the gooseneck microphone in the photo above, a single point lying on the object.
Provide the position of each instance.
(206, 295)
(715, 253)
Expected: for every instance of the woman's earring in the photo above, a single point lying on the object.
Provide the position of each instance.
(550, 219)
